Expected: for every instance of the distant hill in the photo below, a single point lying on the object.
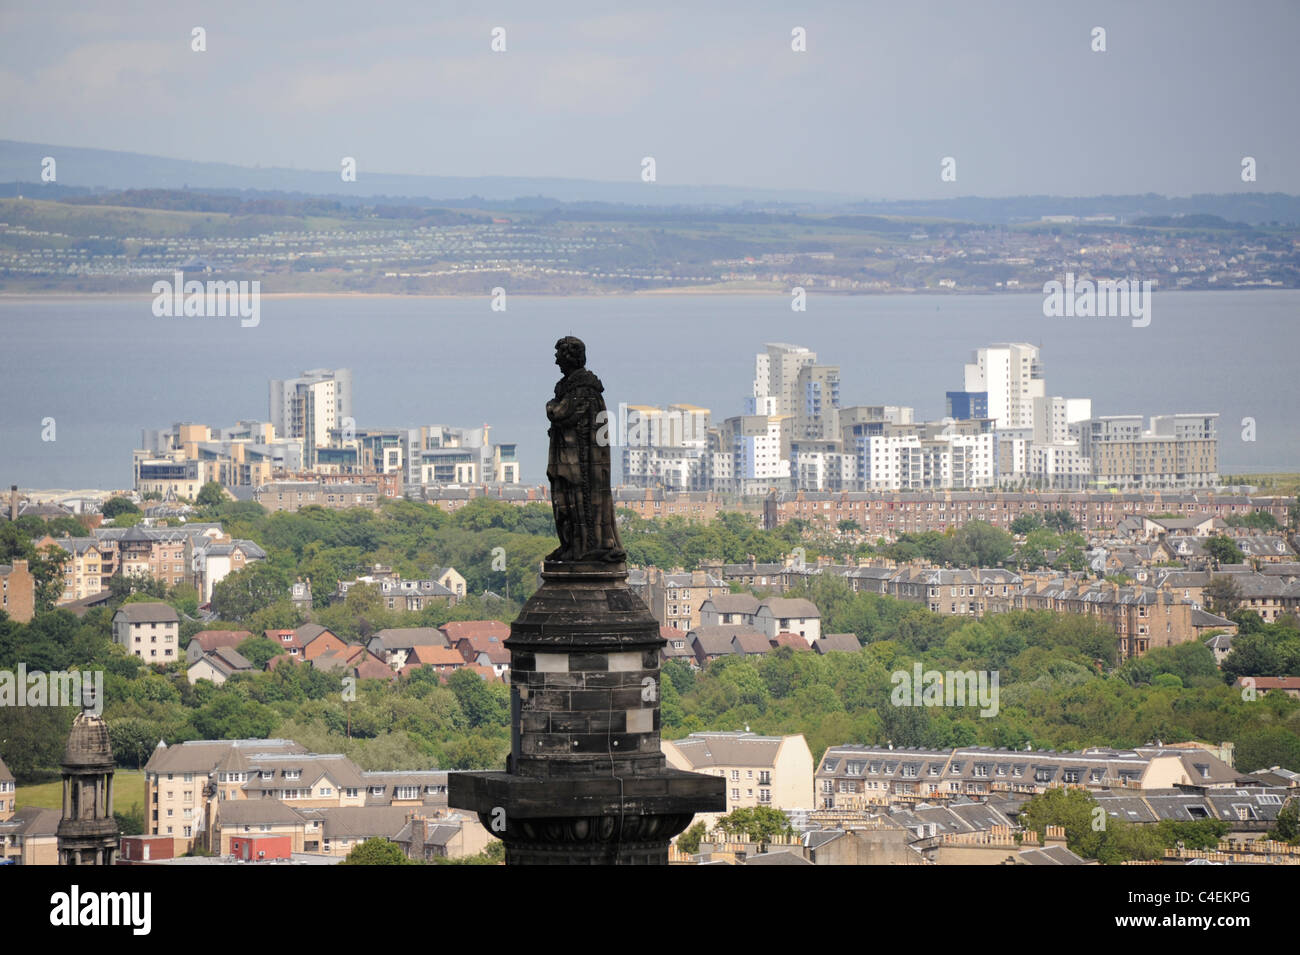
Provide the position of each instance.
(103, 169)
(83, 172)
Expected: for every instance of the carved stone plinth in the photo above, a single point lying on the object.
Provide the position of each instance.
(586, 781)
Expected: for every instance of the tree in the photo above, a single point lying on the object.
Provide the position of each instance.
(1060, 521)
(1269, 746)
(689, 841)
(210, 495)
(1223, 551)
(243, 593)
(988, 545)
(483, 705)
(1222, 594)
(45, 564)
(759, 823)
(118, 505)
(377, 851)
(1287, 828)
(1025, 523)
(258, 650)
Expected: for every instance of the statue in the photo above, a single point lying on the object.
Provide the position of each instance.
(579, 463)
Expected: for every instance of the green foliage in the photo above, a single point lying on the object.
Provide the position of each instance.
(1060, 521)
(1287, 827)
(1026, 522)
(974, 544)
(1222, 550)
(130, 822)
(46, 564)
(241, 594)
(258, 650)
(116, 506)
(1269, 746)
(1196, 834)
(377, 851)
(34, 739)
(1256, 520)
(758, 823)
(689, 841)
(1089, 833)
(210, 494)
(1222, 594)
(1263, 649)
(484, 704)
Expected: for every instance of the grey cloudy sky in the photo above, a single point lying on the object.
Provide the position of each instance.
(713, 91)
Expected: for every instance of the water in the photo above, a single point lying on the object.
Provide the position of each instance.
(105, 369)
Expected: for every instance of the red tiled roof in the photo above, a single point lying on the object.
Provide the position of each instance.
(209, 640)
(458, 629)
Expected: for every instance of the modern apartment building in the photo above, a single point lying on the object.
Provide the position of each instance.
(1011, 376)
(1175, 452)
(817, 403)
(776, 375)
(754, 453)
(309, 406)
(663, 447)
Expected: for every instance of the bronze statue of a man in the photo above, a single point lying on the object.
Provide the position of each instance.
(578, 466)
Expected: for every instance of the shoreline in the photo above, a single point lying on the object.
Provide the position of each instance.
(34, 297)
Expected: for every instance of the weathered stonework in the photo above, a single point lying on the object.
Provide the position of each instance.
(88, 833)
(586, 783)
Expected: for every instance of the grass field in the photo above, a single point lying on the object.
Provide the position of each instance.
(128, 788)
(1280, 483)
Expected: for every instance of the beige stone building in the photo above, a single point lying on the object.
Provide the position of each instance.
(87, 569)
(30, 837)
(151, 631)
(772, 771)
(8, 790)
(857, 777)
(205, 792)
(675, 598)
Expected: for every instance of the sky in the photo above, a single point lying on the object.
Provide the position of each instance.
(1012, 91)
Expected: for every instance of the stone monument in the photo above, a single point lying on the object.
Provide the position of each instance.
(586, 782)
(87, 833)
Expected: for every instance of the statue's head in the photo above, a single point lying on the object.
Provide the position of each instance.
(570, 354)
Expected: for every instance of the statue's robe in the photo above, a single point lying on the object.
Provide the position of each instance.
(579, 471)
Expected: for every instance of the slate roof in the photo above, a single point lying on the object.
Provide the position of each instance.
(838, 642)
(147, 613)
(728, 749)
(204, 756)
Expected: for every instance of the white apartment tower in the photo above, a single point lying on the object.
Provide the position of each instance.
(307, 407)
(1012, 375)
(776, 378)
